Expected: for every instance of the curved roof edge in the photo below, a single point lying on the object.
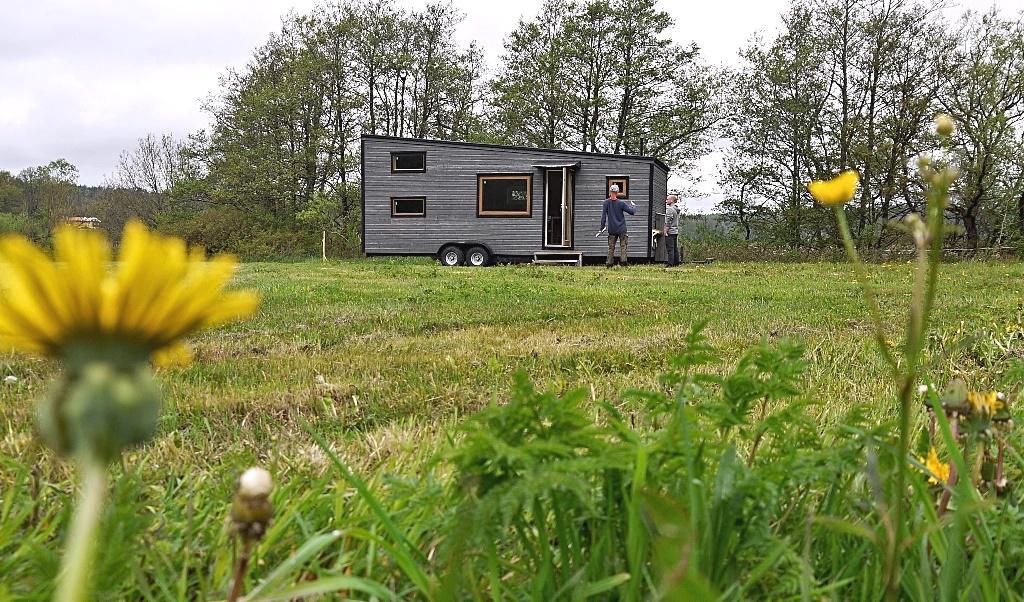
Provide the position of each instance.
(656, 160)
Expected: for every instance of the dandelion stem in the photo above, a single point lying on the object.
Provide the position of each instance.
(947, 491)
(866, 288)
(904, 381)
(240, 569)
(73, 579)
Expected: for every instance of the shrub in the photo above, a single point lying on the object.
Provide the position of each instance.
(252, 237)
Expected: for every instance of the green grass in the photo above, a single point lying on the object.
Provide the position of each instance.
(383, 359)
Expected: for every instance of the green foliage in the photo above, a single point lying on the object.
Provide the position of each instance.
(604, 76)
(226, 230)
(855, 85)
(20, 223)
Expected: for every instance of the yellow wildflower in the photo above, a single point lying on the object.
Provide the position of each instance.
(158, 293)
(985, 403)
(936, 467)
(837, 191)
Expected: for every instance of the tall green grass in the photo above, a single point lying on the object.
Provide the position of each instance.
(636, 457)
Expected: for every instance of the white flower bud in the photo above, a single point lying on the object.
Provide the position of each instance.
(922, 389)
(255, 482)
(10, 379)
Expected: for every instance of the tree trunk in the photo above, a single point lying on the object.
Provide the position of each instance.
(971, 229)
(1020, 212)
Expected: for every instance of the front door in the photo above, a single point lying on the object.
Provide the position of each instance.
(558, 207)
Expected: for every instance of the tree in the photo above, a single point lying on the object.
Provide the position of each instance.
(604, 76)
(777, 108)
(155, 165)
(984, 93)
(530, 99)
(49, 191)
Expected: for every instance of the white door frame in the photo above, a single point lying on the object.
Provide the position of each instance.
(566, 204)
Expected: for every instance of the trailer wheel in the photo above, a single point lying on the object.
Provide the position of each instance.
(451, 256)
(478, 256)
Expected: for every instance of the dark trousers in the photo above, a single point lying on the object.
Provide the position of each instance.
(672, 247)
(623, 244)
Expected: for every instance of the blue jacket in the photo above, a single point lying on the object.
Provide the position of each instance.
(612, 213)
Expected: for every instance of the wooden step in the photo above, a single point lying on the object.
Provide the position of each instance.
(558, 258)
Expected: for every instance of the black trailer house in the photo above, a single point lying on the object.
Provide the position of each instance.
(473, 203)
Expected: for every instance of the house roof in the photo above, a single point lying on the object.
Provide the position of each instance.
(656, 161)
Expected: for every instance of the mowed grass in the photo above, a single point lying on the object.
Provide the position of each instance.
(360, 346)
(383, 357)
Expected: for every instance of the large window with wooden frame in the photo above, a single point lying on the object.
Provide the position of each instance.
(504, 195)
(408, 206)
(622, 182)
(412, 162)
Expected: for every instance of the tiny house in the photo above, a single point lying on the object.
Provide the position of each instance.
(473, 204)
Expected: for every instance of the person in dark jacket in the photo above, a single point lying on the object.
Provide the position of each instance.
(612, 215)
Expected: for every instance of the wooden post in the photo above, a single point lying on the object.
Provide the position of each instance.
(324, 250)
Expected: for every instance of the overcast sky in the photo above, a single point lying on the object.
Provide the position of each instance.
(84, 80)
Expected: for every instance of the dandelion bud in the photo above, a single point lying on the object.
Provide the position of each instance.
(944, 125)
(921, 239)
(100, 409)
(251, 510)
(924, 166)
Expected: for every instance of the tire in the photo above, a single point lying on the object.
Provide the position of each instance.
(477, 257)
(451, 256)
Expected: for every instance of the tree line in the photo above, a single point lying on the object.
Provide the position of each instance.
(855, 84)
(842, 84)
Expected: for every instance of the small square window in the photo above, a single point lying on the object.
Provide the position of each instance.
(408, 206)
(504, 195)
(408, 162)
(622, 182)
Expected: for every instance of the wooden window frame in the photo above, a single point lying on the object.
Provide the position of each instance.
(623, 190)
(394, 161)
(480, 177)
(409, 198)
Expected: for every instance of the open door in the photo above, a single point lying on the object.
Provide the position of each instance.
(558, 186)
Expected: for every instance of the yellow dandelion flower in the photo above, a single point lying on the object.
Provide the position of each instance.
(936, 467)
(158, 293)
(837, 191)
(985, 403)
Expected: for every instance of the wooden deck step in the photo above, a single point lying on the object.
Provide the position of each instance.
(574, 258)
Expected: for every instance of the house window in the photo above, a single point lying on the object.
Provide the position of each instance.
(408, 162)
(623, 184)
(408, 206)
(504, 195)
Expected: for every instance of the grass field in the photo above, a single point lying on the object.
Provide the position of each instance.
(382, 358)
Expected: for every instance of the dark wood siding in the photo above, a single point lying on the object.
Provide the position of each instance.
(660, 191)
(450, 187)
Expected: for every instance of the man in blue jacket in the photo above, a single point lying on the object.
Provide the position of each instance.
(612, 214)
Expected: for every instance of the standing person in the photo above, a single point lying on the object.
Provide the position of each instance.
(612, 214)
(672, 230)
